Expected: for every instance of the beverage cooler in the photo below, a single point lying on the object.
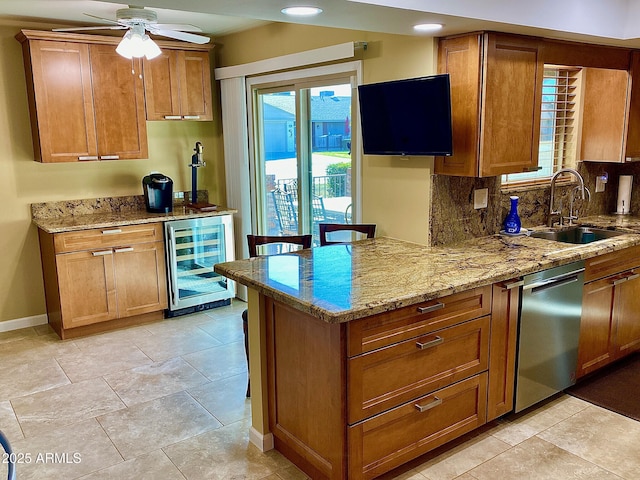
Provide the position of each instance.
(193, 247)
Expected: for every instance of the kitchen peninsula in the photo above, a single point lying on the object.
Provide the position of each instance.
(367, 355)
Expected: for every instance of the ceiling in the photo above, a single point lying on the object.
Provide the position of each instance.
(609, 22)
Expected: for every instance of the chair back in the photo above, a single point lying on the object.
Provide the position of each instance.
(254, 241)
(286, 213)
(11, 464)
(368, 229)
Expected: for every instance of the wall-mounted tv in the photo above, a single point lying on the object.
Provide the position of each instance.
(407, 117)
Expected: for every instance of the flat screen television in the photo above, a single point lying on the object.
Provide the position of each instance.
(407, 117)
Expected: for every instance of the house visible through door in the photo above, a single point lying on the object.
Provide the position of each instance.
(302, 155)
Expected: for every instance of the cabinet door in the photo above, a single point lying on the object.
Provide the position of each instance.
(510, 114)
(118, 96)
(596, 347)
(60, 97)
(504, 342)
(632, 147)
(161, 85)
(87, 287)
(195, 85)
(603, 116)
(461, 59)
(178, 86)
(140, 278)
(626, 308)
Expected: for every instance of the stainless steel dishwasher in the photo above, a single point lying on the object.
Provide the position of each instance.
(551, 306)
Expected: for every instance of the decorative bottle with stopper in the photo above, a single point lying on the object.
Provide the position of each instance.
(512, 221)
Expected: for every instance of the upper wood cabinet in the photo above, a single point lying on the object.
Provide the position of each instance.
(86, 102)
(607, 106)
(178, 86)
(496, 86)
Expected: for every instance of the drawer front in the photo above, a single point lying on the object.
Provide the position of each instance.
(386, 441)
(611, 263)
(107, 237)
(384, 329)
(390, 376)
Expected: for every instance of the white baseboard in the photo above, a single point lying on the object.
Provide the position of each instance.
(263, 442)
(25, 322)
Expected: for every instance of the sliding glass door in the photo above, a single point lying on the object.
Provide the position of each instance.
(302, 155)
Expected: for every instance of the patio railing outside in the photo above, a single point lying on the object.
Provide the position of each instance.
(326, 186)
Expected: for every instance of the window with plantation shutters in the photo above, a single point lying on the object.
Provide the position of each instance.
(558, 125)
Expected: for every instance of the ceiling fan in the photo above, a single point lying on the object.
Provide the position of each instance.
(138, 19)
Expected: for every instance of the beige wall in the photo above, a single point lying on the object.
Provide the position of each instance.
(23, 181)
(395, 191)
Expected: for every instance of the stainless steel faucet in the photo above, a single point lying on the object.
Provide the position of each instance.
(558, 212)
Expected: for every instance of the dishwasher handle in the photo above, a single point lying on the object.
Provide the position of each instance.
(554, 281)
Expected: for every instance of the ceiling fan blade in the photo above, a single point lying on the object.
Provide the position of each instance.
(75, 29)
(187, 37)
(183, 27)
(103, 19)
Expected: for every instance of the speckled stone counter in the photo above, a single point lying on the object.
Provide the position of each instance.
(66, 216)
(339, 283)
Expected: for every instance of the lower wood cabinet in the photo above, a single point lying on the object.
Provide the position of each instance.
(103, 275)
(357, 399)
(386, 441)
(609, 327)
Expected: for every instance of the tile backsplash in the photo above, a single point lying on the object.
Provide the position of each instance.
(453, 218)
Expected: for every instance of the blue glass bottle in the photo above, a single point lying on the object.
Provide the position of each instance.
(512, 222)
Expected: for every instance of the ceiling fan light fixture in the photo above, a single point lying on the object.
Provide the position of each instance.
(301, 11)
(151, 48)
(136, 44)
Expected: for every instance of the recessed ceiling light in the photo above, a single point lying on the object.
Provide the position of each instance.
(301, 11)
(427, 27)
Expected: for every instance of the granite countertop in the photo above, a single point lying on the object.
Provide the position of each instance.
(69, 223)
(66, 216)
(339, 283)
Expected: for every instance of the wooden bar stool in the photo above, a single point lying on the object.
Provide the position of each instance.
(254, 241)
(368, 229)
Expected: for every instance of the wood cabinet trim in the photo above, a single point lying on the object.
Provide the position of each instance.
(26, 34)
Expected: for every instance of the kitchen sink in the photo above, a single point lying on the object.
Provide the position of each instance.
(577, 235)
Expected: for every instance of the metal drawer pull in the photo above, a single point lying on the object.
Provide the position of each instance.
(172, 117)
(191, 117)
(125, 249)
(423, 408)
(87, 157)
(509, 286)
(631, 276)
(431, 308)
(102, 252)
(430, 343)
(109, 157)
(111, 232)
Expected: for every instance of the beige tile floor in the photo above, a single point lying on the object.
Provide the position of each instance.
(166, 401)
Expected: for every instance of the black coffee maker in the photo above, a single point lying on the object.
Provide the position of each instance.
(158, 193)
